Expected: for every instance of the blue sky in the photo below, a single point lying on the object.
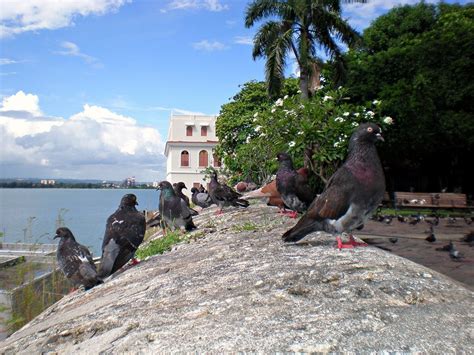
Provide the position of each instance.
(87, 87)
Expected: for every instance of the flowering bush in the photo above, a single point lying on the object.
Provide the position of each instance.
(315, 132)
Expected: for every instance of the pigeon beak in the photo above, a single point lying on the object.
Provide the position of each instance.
(56, 236)
(379, 137)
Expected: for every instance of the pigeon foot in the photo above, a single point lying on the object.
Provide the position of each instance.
(291, 214)
(218, 212)
(350, 244)
(134, 261)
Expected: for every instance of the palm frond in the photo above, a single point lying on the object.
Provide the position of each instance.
(275, 64)
(259, 9)
(265, 38)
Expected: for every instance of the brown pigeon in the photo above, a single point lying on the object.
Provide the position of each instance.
(293, 188)
(351, 195)
(222, 195)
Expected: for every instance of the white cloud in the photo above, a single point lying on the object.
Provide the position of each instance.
(72, 50)
(94, 143)
(18, 16)
(209, 46)
(210, 5)
(361, 15)
(7, 61)
(243, 40)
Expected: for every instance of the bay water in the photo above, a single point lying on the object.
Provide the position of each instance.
(32, 215)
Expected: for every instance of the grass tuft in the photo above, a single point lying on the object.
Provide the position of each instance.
(160, 245)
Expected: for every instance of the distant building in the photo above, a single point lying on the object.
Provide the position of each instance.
(190, 149)
(129, 182)
(155, 184)
(47, 182)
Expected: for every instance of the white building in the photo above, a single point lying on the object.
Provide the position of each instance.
(190, 149)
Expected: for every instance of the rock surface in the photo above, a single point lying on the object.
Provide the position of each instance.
(237, 287)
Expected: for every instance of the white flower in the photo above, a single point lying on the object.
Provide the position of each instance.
(369, 113)
(337, 144)
(258, 128)
(299, 91)
(285, 97)
(346, 114)
(300, 133)
(273, 110)
(357, 114)
(291, 144)
(327, 97)
(339, 88)
(301, 106)
(339, 119)
(255, 114)
(388, 120)
(262, 134)
(354, 124)
(376, 102)
(279, 102)
(247, 140)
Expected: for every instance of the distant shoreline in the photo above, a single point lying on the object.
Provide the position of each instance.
(70, 186)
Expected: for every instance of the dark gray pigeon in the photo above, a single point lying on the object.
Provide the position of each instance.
(201, 199)
(351, 195)
(293, 187)
(75, 260)
(124, 232)
(178, 189)
(223, 195)
(173, 209)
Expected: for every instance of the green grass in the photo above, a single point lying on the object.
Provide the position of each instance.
(160, 245)
(245, 227)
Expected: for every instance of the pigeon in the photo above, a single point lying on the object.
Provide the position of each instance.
(351, 195)
(431, 237)
(178, 189)
(75, 260)
(222, 195)
(154, 220)
(432, 221)
(270, 192)
(454, 254)
(293, 188)
(173, 209)
(201, 199)
(401, 219)
(469, 238)
(446, 247)
(124, 232)
(393, 240)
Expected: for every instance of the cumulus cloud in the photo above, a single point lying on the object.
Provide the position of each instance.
(18, 16)
(361, 15)
(71, 49)
(209, 46)
(246, 40)
(210, 5)
(94, 143)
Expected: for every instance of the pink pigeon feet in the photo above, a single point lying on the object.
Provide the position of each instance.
(134, 262)
(349, 245)
(291, 214)
(218, 212)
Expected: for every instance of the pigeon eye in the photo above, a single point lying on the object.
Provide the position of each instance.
(370, 129)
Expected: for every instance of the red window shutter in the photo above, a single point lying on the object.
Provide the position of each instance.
(189, 131)
(203, 158)
(184, 158)
(204, 131)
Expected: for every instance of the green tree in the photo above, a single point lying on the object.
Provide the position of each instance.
(300, 26)
(418, 61)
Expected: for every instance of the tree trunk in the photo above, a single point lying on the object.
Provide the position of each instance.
(304, 81)
(315, 78)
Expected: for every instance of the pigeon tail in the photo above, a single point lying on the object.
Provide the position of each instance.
(302, 229)
(190, 226)
(241, 202)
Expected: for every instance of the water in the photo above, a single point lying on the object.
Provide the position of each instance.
(30, 215)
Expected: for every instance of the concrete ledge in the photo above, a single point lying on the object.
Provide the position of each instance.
(237, 287)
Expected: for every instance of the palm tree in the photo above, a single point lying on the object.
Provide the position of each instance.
(300, 26)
